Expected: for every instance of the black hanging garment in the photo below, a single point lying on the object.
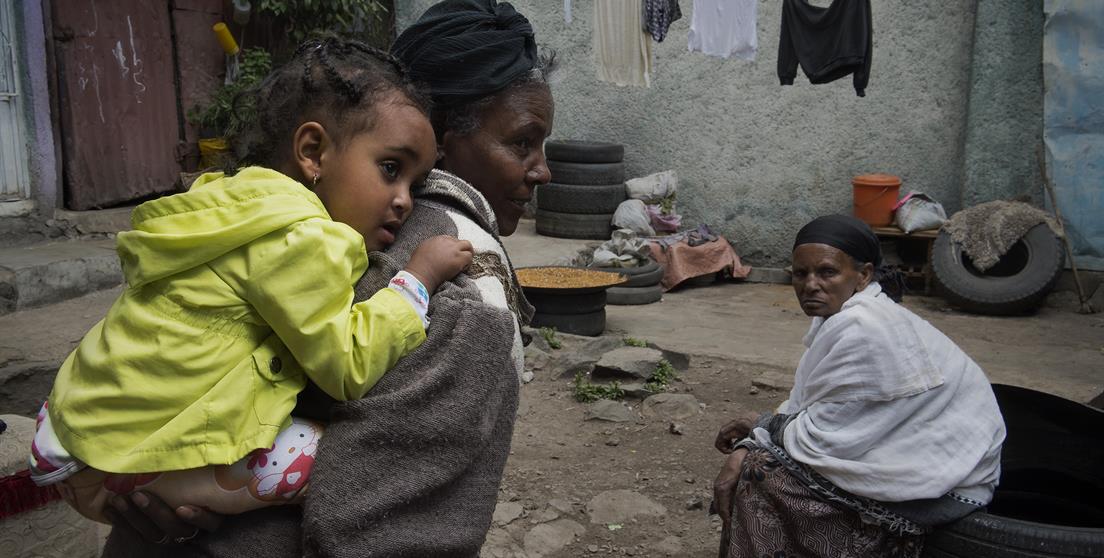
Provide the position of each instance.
(829, 43)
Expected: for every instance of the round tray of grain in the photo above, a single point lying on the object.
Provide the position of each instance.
(570, 299)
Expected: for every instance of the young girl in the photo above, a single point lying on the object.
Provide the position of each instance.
(241, 290)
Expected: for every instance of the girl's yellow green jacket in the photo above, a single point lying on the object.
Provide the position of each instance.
(237, 292)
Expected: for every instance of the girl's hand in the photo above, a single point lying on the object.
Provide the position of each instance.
(735, 431)
(156, 522)
(439, 259)
(724, 487)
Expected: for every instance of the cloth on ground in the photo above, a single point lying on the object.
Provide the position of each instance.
(724, 28)
(658, 17)
(652, 188)
(621, 47)
(623, 249)
(681, 261)
(986, 231)
(829, 43)
(891, 409)
(413, 468)
(633, 215)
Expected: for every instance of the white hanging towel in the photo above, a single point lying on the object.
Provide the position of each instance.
(622, 49)
(724, 28)
(567, 12)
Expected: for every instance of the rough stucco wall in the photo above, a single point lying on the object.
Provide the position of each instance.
(757, 160)
(1005, 127)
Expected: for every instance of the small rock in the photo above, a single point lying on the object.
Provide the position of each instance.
(535, 358)
(671, 406)
(613, 442)
(689, 480)
(635, 390)
(695, 503)
(774, 379)
(549, 538)
(754, 390)
(506, 512)
(638, 362)
(620, 506)
(592, 548)
(612, 411)
(561, 505)
(675, 428)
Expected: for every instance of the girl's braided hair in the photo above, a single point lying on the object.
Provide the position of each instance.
(335, 82)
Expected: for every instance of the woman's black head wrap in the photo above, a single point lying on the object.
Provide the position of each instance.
(467, 49)
(854, 238)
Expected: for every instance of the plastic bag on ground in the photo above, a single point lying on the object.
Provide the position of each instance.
(918, 212)
(653, 187)
(663, 222)
(633, 215)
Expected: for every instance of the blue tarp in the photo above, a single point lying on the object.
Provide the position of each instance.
(1073, 121)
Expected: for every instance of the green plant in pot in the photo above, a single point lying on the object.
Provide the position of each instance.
(226, 113)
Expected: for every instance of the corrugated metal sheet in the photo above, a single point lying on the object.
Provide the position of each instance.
(117, 103)
(202, 64)
(1073, 121)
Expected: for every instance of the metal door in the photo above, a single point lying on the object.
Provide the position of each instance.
(13, 141)
(119, 119)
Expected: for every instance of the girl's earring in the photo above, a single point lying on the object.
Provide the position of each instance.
(314, 183)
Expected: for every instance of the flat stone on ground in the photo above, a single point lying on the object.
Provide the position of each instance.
(507, 512)
(612, 411)
(549, 538)
(620, 506)
(774, 379)
(671, 406)
(637, 362)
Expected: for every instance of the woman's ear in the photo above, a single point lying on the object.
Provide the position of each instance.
(307, 145)
(866, 275)
(443, 148)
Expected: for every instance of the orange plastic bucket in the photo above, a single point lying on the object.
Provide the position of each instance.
(874, 198)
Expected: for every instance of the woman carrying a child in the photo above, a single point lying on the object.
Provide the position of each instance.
(890, 428)
(413, 466)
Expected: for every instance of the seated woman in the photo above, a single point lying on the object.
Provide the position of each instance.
(890, 428)
(413, 468)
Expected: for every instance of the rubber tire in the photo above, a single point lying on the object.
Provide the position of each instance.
(571, 225)
(564, 172)
(573, 198)
(628, 296)
(592, 324)
(1000, 296)
(641, 276)
(585, 303)
(577, 151)
(982, 535)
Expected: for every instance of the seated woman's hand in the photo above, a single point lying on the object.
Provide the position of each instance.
(725, 484)
(156, 522)
(734, 431)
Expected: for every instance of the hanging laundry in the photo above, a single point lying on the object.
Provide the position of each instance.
(567, 12)
(658, 17)
(829, 43)
(724, 28)
(621, 47)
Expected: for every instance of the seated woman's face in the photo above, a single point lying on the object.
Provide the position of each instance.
(504, 157)
(825, 277)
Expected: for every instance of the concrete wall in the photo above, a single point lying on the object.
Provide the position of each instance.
(40, 134)
(757, 160)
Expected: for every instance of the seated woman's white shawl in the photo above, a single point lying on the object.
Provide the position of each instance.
(891, 409)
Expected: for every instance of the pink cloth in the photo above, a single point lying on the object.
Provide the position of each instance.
(681, 261)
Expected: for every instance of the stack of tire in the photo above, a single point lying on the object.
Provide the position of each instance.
(642, 286)
(588, 183)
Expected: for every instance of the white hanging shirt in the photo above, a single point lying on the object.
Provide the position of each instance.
(622, 49)
(724, 28)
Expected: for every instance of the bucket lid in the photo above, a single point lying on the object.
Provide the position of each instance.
(877, 179)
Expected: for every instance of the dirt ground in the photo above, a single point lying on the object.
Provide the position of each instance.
(736, 335)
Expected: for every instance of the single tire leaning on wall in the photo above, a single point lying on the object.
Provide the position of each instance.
(576, 151)
(586, 173)
(571, 225)
(575, 198)
(591, 324)
(1017, 283)
(627, 296)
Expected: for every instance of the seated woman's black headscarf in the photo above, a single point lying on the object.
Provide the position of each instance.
(467, 49)
(854, 238)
